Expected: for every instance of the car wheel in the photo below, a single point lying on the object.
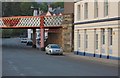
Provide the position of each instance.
(49, 53)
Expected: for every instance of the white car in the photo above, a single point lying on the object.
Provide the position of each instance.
(24, 40)
(29, 42)
(53, 49)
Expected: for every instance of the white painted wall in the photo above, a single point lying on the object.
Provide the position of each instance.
(113, 12)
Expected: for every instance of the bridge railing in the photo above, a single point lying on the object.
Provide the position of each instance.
(20, 21)
(52, 21)
(30, 21)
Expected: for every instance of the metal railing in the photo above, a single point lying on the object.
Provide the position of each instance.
(30, 21)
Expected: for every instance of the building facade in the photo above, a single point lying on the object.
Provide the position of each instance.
(69, 7)
(96, 28)
(68, 27)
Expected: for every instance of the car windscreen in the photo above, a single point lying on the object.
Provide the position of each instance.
(55, 46)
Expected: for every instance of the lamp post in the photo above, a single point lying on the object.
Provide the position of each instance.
(35, 11)
(33, 35)
(36, 32)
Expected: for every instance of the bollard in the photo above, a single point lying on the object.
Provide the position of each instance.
(84, 53)
(100, 55)
(94, 55)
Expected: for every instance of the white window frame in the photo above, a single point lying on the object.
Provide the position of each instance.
(86, 39)
(106, 6)
(79, 38)
(96, 41)
(110, 30)
(95, 8)
(103, 36)
(86, 10)
(78, 12)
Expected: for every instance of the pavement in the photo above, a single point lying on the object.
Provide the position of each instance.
(94, 59)
(110, 62)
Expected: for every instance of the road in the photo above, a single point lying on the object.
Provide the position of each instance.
(20, 60)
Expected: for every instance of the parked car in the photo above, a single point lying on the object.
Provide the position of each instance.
(53, 49)
(24, 40)
(22, 36)
(38, 41)
(29, 43)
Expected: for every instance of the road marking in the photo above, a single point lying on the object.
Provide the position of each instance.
(15, 68)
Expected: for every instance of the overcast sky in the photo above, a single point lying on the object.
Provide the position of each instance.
(48, 0)
(54, 0)
(38, 0)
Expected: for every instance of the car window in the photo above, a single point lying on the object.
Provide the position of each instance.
(55, 46)
(24, 39)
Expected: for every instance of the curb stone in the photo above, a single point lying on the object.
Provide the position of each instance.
(94, 59)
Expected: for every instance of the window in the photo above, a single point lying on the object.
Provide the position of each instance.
(110, 30)
(86, 10)
(79, 40)
(55, 46)
(103, 36)
(96, 41)
(86, 40)
(78, 13)
(105, 7)
(96, 8)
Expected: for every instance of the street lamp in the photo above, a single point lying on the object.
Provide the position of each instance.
(31, 7)
(36, 11)
(35, 32)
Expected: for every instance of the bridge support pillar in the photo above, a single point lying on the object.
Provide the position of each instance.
(42, 33)
(34, 38)
(42, 39)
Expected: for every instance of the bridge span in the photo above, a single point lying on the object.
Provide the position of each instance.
(53, 23)
(60, 28)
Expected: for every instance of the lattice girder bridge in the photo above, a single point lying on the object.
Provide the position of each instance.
(32, 22)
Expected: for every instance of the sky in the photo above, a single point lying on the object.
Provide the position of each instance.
(54, 0)
(37, 0)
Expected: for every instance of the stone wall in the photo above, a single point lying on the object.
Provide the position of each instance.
(54, 37)
(67, 33)
(68, 7)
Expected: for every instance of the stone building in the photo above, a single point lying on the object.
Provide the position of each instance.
(67, 27)
(96, 28)
(67, 33)
(63, 36)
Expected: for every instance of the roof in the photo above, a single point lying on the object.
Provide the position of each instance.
(55, 11)
(43, 13)
(58, 11)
